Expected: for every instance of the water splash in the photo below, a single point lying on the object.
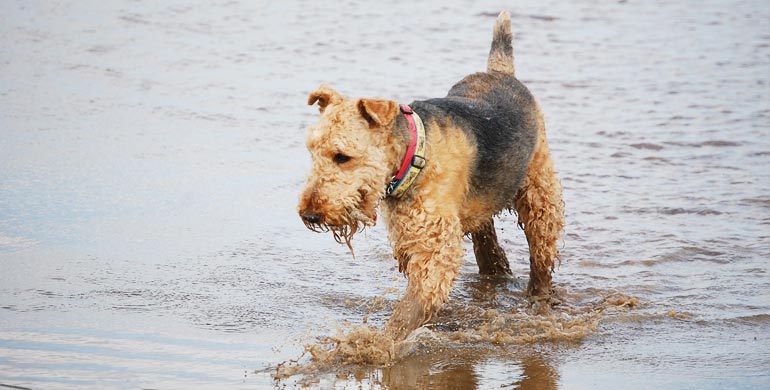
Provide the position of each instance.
(460, 325)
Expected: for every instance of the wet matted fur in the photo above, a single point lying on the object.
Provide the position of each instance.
(486, 153)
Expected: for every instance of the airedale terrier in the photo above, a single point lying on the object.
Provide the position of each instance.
(438, 169)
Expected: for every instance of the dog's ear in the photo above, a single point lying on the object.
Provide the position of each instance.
(325, 96)
(378, 112)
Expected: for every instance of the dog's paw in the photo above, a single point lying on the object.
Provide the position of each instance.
(420, 339)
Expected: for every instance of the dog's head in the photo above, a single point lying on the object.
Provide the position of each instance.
(354, 152)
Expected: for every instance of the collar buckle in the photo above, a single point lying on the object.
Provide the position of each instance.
(418, 162)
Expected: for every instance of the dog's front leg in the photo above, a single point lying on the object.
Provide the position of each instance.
(429, 250)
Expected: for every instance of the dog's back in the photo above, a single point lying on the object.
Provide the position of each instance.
(499, 114)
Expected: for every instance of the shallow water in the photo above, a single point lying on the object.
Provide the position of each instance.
(151, 156)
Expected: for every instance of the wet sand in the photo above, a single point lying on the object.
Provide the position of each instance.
(151, 157)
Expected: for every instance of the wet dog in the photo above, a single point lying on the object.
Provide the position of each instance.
(438, 169)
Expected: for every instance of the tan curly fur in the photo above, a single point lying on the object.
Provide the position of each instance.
(425, 230)
(540, 209)
(347, 201)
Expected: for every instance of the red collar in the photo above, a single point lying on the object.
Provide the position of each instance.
(409, 155)
(413, 158)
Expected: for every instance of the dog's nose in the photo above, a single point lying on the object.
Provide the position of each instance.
(311, 217)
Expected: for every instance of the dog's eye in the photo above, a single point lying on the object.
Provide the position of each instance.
(340, 158)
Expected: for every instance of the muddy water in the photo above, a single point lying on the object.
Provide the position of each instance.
(151, 155)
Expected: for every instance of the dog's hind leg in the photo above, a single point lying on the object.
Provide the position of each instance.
(489, 256)
(541, 214)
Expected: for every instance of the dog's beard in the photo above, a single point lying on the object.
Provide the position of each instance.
(343, 231)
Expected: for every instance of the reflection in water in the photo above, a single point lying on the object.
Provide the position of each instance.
(461, 369)
(437, 371)
(538, 375)
(467, 370)
(454, 368)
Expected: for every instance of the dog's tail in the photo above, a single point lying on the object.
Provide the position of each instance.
(501, 53)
